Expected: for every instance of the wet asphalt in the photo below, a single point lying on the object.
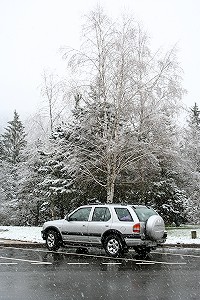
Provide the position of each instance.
(27, 274)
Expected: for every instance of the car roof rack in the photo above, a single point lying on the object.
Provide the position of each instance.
(96, 203)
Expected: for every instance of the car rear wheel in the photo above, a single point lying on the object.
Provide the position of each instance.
(52, 240)
(113, 246)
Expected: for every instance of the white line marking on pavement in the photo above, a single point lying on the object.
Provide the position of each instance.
(164, 262)
(145, 263)
(41, 263)
(11, 263)
(77, 263)
(20, 259)
(177, 254)
(111, 263)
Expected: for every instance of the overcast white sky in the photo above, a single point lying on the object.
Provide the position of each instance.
(32, 32)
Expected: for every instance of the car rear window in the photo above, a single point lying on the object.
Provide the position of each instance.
(144, 213)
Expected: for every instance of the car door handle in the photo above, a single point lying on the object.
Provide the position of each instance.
(106, 226)
(84, 225)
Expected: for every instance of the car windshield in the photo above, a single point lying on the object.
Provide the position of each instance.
(144, 213)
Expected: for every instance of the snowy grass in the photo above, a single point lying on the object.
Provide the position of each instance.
(177, 235)
(182, 234)
(28, 234)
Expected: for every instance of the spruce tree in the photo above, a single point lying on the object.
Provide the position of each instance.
(193, 138)
(12, 169)
(13, 141)
(195, 116)
(191, 155)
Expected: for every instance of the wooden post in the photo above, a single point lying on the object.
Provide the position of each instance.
(194, 234)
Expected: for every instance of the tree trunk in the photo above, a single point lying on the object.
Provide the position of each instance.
(111, 177)
(110, 190)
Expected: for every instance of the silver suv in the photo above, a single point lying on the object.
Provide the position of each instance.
(115, 227)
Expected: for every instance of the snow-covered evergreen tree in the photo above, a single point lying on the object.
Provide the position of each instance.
(195, 117)
(191, 155)
(193, 137)
(13, 144)
(54, 184)
(13, 141)
(170, 201)
(91, 153)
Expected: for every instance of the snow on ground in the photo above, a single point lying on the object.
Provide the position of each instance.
(180, 235)
(29, 234)
(183, 235)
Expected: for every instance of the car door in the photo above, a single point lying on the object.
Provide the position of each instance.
(100, 222)
(75, 227)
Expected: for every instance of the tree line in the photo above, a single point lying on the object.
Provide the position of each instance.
(121, 142)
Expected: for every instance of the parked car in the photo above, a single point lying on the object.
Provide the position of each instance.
(115, 227)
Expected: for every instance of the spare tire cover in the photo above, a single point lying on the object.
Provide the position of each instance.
(155, 227)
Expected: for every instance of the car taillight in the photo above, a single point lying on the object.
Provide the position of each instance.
(136, 228)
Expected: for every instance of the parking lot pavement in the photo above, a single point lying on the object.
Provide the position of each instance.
(36, 273)
(170, 256)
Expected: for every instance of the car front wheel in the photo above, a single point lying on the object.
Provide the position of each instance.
(113, 246)
(52, 240)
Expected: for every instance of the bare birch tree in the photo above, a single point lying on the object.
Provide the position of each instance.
(141, 88)
(54, 91)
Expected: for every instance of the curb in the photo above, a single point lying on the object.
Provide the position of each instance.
(18, 244)
(179, 245)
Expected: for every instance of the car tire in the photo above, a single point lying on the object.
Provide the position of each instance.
(52, 240)
(113, 246)
(155, 227)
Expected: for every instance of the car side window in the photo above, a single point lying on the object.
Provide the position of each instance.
(123, 214)
(81, 214)
(101, 214)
